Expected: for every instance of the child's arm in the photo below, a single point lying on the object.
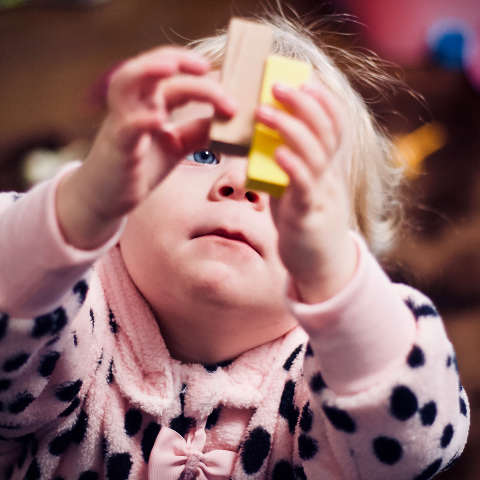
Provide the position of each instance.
(137, 145)
(384, 398)
(312, 216)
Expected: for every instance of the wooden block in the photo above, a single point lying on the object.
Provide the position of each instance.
(263, 172)
(248, 46)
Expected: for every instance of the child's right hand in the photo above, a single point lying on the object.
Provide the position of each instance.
(137, 146)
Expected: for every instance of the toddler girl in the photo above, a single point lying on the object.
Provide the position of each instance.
(160, 321)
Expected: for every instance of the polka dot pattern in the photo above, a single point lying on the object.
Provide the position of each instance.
(50, 324)
(148, 439)
(340, 419)
(283, 471)
(255, 450)
(287, 408)
(289, 362)
(119, 466)
(403, 403)
(416, 357)
(387, 450)
(430, 471)
(307, 447)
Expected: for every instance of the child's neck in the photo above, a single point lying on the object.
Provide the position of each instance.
(200, 340)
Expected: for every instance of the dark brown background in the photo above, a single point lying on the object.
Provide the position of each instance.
(50, 58)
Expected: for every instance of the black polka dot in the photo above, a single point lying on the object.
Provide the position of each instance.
(213, 418)
(5, 384)
(21, 402)
(283, 471)
(51, 323)
(148, 440)
(287, 408)
(71, 408)
(110, 373)
(387, 450)
(428, 413)
(92, 319)
(211, 368)
(133, 421)
(306, 418)
(255, 450)
(447, 436)
(455, 362)
(300, 473)
(308, 350)
(449, 361)
(421, 310)
(14, 363)
(317, 384)
(80, 428)
(112, 322)
(340, 419)
(88, 475)
(403, 403)
(75, 339)
(463, 407)
(430, 471)
(48, 363)
(3, 324)
(60, 443)
(416, 357)
(68, 390)
(289, 362)
(33, 472)
(182, 424)
(118, 466)
(81, 289)
(307, 447)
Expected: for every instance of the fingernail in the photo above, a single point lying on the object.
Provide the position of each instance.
(282, 88)
(266, 111)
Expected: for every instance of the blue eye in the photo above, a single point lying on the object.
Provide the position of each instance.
(206, 157)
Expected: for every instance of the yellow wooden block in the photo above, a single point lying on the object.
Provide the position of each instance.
(263, 172)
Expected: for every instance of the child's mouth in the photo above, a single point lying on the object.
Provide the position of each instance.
(230, 235)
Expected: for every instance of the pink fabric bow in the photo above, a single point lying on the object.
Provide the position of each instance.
(173, 458)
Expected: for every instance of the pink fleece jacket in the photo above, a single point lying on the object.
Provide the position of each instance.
(366, 387)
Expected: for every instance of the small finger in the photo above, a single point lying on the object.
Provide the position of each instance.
(183, 89)
(300, 179)
(139, 77)
(320, 115)
(296, 135)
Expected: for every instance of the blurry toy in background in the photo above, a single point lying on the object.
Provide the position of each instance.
(42, 163)
(414, 147)
(413, 33)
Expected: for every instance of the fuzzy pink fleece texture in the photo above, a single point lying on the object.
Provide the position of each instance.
(364, 388)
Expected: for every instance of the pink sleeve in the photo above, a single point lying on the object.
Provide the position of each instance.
(363, 333)
(37, 266)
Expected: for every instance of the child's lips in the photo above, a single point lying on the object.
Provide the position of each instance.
(231, 235)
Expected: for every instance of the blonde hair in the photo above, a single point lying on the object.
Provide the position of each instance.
(371, 174)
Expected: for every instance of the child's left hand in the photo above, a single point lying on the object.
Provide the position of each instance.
(312, 215)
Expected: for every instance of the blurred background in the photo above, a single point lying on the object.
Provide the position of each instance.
(56, 55)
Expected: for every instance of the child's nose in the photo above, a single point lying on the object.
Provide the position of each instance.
(231, 185)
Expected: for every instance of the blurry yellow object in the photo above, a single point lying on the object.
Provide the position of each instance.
(414, 147)
(263, 172)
